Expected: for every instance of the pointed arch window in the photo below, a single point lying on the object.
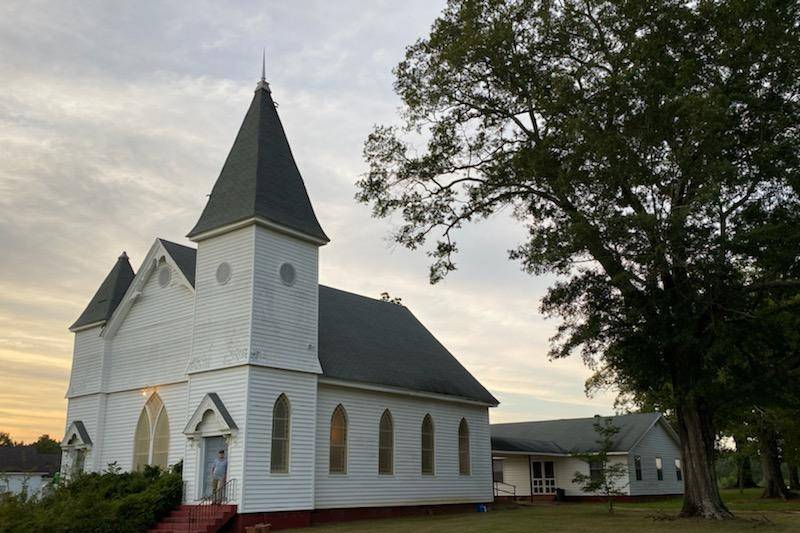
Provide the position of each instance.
(427, 446)
(338, 453)
(463, 448)
(151, 438)
(279, 452)
(386, 444)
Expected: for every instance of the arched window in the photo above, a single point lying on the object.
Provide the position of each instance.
(279, 456)
(427, 445)
(463, 447)
(161, 440)
(151, 439)
(141, 441)
(338, 454)
(386, 444)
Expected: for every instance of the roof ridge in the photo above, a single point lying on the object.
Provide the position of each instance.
(362, 296)
(576, 419)
(176, 243)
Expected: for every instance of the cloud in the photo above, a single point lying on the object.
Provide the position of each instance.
(115, 119)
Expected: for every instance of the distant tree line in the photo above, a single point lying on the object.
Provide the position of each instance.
(44, 444)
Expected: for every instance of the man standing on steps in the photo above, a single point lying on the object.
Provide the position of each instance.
(219, 471)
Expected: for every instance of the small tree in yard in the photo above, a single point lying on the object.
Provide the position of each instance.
(604, 477)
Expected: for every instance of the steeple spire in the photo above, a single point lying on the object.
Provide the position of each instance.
(262, 83)
(259, 182)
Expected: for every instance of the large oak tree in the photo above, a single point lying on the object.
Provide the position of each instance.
(650, 148)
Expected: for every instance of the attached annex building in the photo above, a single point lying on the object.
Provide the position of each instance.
(322, 398)
(534, 459)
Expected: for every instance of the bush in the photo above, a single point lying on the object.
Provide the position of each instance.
(111, 502)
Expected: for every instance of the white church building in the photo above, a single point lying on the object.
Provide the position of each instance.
(323, 399)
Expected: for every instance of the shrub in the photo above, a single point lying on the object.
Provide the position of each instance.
(124, 502)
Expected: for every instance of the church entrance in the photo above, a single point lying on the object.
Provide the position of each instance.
(211, 447)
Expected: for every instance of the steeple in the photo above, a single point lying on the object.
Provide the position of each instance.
(260, 181)
(108, 296)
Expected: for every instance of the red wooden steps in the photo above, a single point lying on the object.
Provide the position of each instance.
(178, 520)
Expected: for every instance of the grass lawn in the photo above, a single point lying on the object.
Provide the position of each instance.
(753, 514)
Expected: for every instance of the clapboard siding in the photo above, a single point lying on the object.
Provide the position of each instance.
(263, 490)
(122, 413)
(231, 386)
(87, 410)
(567, 467)
(284, 329)
(656, 443)
(223, 311)
(362, 486)
(515, 472)
(152, 344)
(87, 362)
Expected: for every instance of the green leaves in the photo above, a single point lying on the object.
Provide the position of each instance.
(649, 148)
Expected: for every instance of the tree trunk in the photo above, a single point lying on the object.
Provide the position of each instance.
(774, 485)
(744, 469)
(701, 493)
(745, 476)
(794, 477)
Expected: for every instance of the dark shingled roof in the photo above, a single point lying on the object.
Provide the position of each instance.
(575, 435)
(260, 177)
(184, 256)
(28, 459)
(108, 296)
(527, 446)
(370, 341)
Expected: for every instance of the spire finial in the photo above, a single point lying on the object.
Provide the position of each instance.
(264, 64)
(262, 83)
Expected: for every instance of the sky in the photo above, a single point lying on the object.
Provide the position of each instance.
(115, 120)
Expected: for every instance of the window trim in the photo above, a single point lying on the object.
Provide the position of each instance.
(153, 410)
(501, 462)
(637, 467)
(343, 412)
(386, 415)
(597, 468)
(659, 468)
(678, 469)
(427, 418)
(287, 439)
(464, 465)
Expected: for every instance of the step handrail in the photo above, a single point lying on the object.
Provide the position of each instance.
(498, 489)
(203, 511)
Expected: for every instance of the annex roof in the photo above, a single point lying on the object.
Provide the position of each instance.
(573, 435)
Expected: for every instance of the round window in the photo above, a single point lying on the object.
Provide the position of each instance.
(223, 273)
(164, 275)
(287, 274)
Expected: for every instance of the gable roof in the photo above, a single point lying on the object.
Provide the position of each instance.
(574, 435)
(260, 177)
(184, 256)
(108, 296)
(374, 342)
(371, 341)
(28, 459)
